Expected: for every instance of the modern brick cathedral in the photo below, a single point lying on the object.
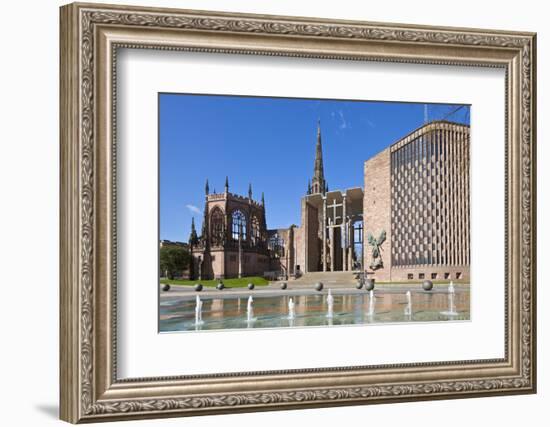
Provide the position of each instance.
(418, 191)
(411, 220)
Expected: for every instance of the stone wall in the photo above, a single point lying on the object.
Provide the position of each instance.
(377, 210)
(299, 248)
(254, 264)
(312, 236)
(430, 272)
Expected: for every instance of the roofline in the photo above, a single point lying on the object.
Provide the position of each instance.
(448, 122)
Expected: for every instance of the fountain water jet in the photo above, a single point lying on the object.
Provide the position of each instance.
(291, 313)
(250, 310)
(451, 289)
(371, 303)
(408, 308)
(198, 311)
(452, 308)
(330, 303)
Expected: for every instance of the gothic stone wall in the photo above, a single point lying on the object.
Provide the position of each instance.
(224, 264)
(299, 248)
(377, 211)
(254, 264)
(284, 262)
(307, 245)
(311, 237)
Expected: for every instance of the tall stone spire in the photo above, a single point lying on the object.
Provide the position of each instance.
(250, 191)
(207, 188)
(318, 182)
(193, 238)
(264, 225)
(193, 241)
(227, 184)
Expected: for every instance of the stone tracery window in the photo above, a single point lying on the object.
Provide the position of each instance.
(276, 245)
(255, 230)
(238, 225)
(217, 227)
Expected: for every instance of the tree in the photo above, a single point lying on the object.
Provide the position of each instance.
(173, 260)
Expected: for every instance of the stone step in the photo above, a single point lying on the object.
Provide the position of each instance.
(343, 277)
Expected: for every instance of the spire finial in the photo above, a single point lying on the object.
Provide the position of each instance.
(263, 200)
(318, 181)
(226, 184)
(250, 190)
(207, 188)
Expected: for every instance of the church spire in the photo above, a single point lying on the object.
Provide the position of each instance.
(193, 238)
(207, 188)
(250, 191)
(263, 200)
(318, 181)
(226, 184)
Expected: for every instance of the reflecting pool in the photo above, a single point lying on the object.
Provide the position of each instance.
(212, 312)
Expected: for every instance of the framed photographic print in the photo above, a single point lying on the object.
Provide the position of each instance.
(264, 212)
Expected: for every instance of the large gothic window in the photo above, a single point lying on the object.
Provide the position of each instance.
(255, 230)
(276, 245)
(358, 232)
(238, 225)
(217, 227)
(358, 243)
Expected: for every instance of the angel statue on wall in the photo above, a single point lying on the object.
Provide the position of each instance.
(376, 244)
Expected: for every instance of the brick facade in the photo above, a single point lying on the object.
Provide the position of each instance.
(418, 190)
(377, 210)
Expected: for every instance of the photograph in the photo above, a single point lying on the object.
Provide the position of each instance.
(290, 212)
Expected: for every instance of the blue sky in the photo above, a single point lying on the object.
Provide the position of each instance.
(270, 142)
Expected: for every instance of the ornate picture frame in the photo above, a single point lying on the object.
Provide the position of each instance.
(90, 37)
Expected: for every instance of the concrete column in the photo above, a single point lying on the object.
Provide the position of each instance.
(344, 233)
(324, 248)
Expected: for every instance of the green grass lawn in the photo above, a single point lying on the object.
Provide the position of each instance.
(229, 283)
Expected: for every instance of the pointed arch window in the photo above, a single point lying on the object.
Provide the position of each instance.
(238, 225)
(255, 230)
(217, 227)
(276, 245)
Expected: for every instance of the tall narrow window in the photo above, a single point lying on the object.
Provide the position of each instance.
(238, 225)
(255, 230)
(217, 227)
(276, 245)
(358, 244)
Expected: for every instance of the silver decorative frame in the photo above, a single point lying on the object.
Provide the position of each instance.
(90, 36)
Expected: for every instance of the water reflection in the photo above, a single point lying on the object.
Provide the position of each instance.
(312, 310)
